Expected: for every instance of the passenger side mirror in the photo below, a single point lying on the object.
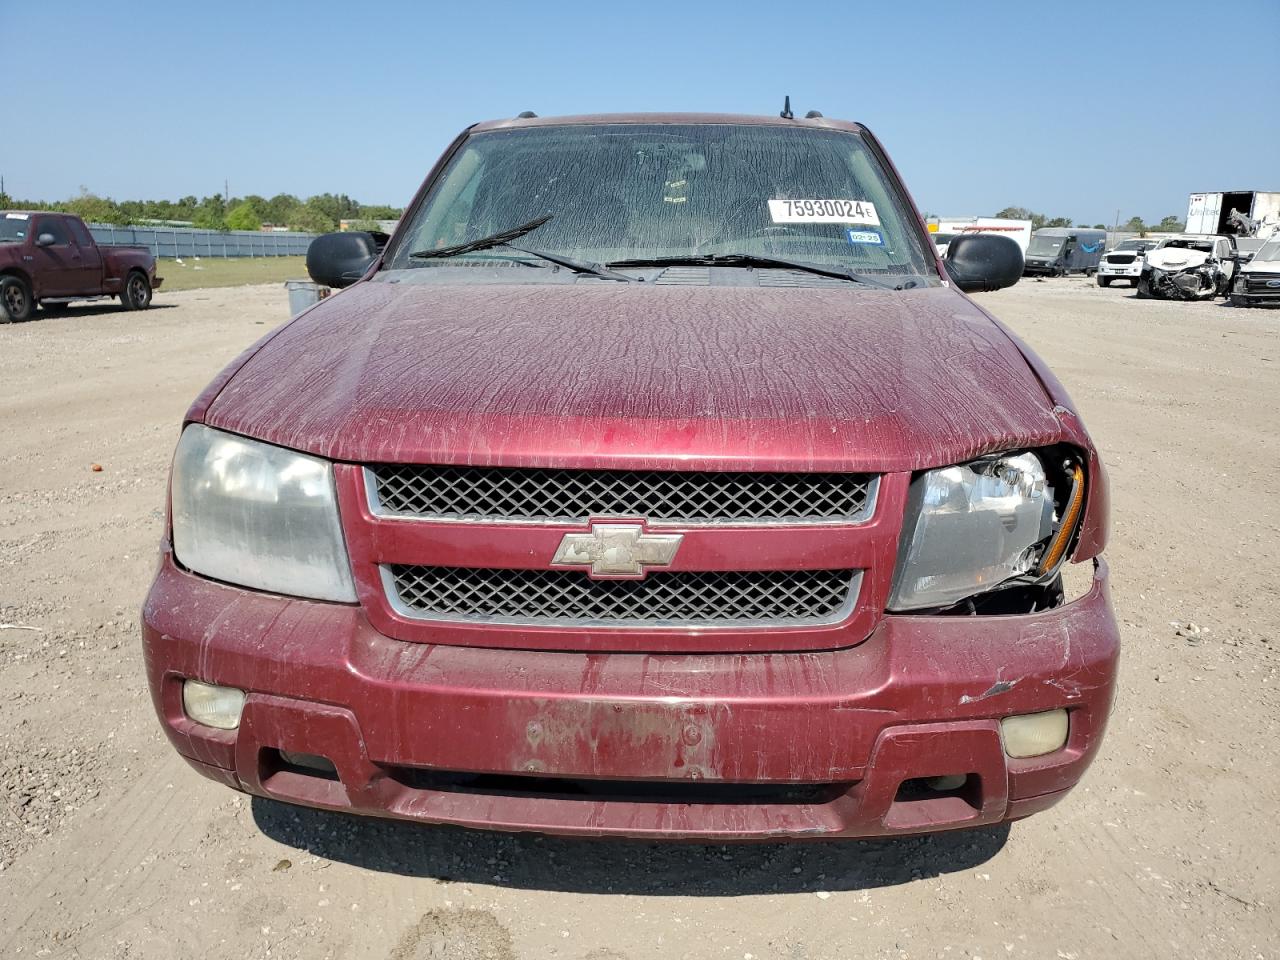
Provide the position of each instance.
(340, 259)
(982, 261)
(45, 240)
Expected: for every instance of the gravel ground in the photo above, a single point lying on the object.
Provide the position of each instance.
(111, 848)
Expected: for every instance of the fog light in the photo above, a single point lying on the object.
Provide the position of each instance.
(212, 705)
(1034, 734)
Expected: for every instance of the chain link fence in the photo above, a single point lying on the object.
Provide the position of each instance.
(174, 242)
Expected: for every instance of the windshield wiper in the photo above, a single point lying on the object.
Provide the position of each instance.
(504, 238)
(752, 260)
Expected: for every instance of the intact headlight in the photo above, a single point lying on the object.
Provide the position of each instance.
(977, 526)
(259, 516)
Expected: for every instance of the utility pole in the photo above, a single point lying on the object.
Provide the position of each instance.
(226, 191)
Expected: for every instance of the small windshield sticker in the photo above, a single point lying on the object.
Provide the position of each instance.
(15, 216)
(866, 236)
(824, 211)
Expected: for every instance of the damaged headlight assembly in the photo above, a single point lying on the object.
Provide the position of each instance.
(259, 516)
(980, 526)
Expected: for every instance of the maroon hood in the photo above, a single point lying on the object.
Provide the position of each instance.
(589, 375)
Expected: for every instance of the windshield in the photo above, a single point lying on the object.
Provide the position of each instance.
(941, 238)
(13, 227)
(617, 192)
(1138, 245)
(1042, 246)
(1268, 251)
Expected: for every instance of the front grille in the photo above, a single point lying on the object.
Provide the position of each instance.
(1121, 258)
(1257, 282)
(724, 598)
(574, 496)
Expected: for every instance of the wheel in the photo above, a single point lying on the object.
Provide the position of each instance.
(1104, 281)
(136, 294)
(1143, 288)
(1134, 283)
(16, 302)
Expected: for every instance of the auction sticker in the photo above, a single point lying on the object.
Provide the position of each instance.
(866, 236)
(15, 216)
(824, 211)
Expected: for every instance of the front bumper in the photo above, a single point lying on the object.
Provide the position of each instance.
(715, 746)
(1040, 268)
(1129, 271)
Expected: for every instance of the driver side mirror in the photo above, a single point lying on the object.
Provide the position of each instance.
(977, 262)
(45, 240)
(340, 259)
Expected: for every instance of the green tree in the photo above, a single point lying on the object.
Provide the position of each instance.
(1058, 222)
(92, 208)
(1135, 225)
(380, 212)
(1099, 226)
(211, 214)
(1170, 224)
(308, 219)
(243, 217)
(281, 208)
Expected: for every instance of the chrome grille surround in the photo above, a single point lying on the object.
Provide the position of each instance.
(536, 495)
(737, 598)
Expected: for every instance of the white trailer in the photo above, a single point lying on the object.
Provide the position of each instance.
(943, 229)
(1257, 213)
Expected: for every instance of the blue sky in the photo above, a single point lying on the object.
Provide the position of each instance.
(1070, 108)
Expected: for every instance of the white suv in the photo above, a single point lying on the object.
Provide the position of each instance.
(1125, 261)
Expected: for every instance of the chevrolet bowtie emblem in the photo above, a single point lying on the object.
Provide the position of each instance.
(617, 550)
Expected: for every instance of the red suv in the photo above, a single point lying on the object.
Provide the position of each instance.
(655, 479)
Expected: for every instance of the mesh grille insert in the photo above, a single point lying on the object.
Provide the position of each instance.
(557, 596)
(476, 493)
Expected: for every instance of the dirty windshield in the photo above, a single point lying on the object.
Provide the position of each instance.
(13, 228)
(625, 192)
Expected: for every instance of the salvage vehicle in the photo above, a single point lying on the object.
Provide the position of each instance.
(656, 480)
(1125, 261)
(1059, 251)
(51, 259)
(1187, 267)
(1258, 282)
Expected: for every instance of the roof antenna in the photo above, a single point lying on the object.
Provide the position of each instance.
(525, 115)
(786, 113)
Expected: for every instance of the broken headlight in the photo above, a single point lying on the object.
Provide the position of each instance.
(975, 527)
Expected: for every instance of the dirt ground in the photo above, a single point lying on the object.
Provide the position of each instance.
(111, 848)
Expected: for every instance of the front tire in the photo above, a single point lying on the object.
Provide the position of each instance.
(136, 294)
(16, 302)
(1104, 281)
(1143, 288)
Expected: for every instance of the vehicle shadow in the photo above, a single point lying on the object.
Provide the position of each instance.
(459, 855)
(92, 309)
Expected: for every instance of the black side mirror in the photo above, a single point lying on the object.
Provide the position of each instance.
(983, 261)
(45, 240)
(340, 259)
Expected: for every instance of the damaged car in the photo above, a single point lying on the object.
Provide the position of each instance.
(1188, 267)
(657, 480)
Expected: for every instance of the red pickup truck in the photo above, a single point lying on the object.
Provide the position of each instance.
(51, 259)
(657, 479)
